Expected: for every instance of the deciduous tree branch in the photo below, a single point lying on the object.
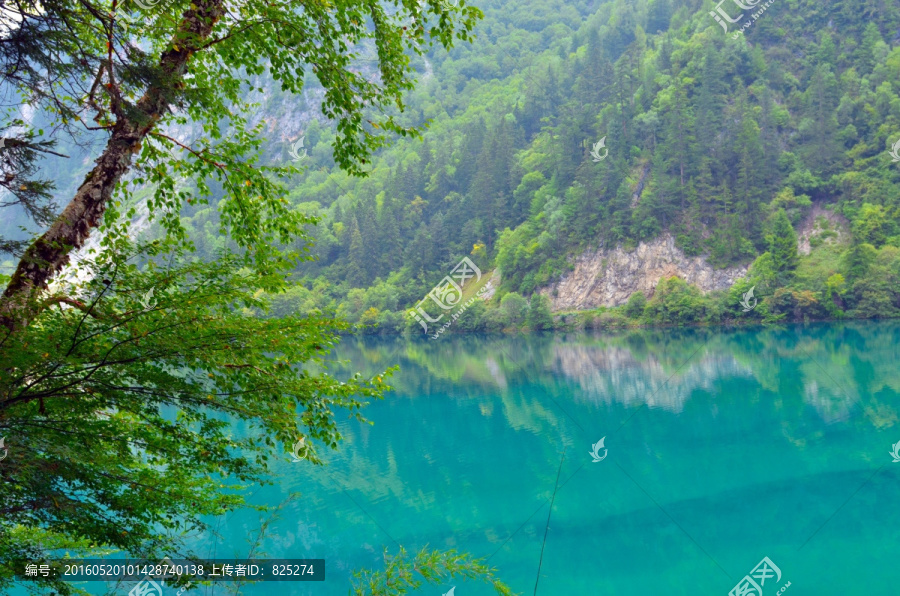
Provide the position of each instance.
(47, 255)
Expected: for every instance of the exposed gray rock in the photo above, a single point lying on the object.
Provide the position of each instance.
(494, 282)
(824, 223)
(607, 277)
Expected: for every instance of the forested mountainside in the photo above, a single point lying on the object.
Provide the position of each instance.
(595, 126)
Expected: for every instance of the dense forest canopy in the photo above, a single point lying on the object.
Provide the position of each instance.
(727, 140)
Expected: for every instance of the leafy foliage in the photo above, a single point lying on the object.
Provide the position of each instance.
(403, 573)
(146, 370)
(133, 74)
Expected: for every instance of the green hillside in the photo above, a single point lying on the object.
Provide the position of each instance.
(727, 141)
(734, 139)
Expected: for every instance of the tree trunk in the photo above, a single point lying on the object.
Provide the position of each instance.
(50, 253)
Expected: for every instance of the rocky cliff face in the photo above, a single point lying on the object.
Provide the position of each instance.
(607, 277)
(821, 226)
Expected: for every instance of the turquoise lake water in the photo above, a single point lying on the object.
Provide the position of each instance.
(722, 447)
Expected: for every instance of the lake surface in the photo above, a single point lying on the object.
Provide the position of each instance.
(721, 447)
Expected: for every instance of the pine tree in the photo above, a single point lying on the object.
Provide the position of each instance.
(539, 316)
(659, 12)
(357, 261)
(368, 230)
(710, 100)
(389, 219)
(821, 101)
(782, 240)
(867, 52)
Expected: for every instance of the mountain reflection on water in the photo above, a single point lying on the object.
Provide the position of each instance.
(720, 447)
(657, 368)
